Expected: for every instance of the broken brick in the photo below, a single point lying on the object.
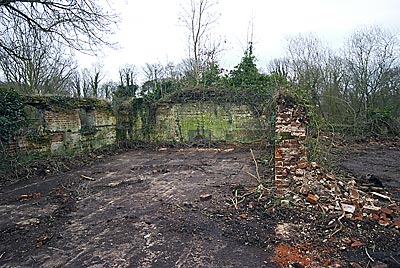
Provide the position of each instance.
(375, 217)
(348, 208)
(355, 265)
(379, 265)
(303, 165)
(394, 207)
(371, 208)
(396, 222)
(384, 222)
(304, 190)
(354, 194)
(357, 243)
(205, 197)
(312, 199)
(357, 216)
(299, 172)
(387, 211)
(314, 165)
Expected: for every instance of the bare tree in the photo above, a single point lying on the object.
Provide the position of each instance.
(307, 60)
(127, 87)
(79, 24)
(107, 90)
(91, 80)
(371, 54)
(153, 71)
(76, 84)
(279, 67)
(198, 19)
(128, 75)
(40, 64)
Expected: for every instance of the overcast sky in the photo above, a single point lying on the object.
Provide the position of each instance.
(150, 31)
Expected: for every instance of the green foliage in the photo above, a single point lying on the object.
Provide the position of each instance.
(246, 74)
(211, 76)
(146, 108)
(382, 122)
(126, 91)
(156, 90)
(12, 115)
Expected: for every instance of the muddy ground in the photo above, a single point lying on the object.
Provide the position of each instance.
(174, 208)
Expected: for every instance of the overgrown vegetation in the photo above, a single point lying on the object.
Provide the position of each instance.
(354, 90)
(12, 115)
(12, 118)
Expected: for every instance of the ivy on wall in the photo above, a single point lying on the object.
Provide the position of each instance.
(65, 104)
(12, 115)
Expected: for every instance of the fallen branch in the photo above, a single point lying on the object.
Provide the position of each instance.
(382, 196)
(236, 201)
(255, 162)
(340, 222)
(87, 178)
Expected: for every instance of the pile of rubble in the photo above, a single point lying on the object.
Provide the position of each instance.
(306, 184)
(311, 187)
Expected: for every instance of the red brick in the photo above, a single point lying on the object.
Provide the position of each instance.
(396, 222)
(371, 208)
(302, 165)
(384, 222)
(379, 265)
(354, 194)
(313, 199)
(387, 211)
(278, 163)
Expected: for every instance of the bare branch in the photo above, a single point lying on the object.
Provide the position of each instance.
(80, 24)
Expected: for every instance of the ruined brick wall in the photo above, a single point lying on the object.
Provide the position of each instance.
(290, 152)
(68, 126)
(191, 121)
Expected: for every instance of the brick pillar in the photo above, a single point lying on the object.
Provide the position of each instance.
(290, 133)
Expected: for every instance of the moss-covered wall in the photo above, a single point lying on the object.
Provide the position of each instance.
(207, 120)
(193, 121)
(60, 125)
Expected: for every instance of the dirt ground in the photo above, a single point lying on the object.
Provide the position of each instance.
(174, 208)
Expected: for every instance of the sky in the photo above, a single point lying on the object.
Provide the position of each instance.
(150, 30)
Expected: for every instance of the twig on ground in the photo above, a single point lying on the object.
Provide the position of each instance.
(322, 208)
(236, 201)
(87, 178)
(340, 222)
(396, 261)
(255, 162)
(366, 252)
(252, 176)
(57, 249)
